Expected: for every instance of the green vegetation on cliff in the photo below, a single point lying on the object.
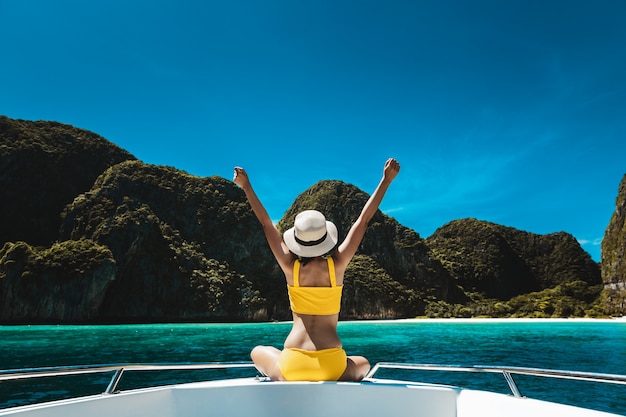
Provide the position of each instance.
(43, 166)
(370, 293)
(172, 234)
(570, 299)
(503, 262)
(511, 273)
(614, 256)
(67, 280)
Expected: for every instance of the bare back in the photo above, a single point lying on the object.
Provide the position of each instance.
(314, 332)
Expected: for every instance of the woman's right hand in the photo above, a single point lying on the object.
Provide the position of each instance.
(392, 167)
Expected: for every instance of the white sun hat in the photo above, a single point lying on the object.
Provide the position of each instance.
(311, 235)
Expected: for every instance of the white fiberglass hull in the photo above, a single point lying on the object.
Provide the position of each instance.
(261, 398)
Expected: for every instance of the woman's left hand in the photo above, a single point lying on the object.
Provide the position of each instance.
(240, 177)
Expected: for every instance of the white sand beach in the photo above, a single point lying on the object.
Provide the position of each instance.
(503, 320)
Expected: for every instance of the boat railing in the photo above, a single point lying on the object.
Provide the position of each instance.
(507, 373)
(119, 370)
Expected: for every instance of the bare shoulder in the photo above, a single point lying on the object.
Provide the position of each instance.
(341, 263)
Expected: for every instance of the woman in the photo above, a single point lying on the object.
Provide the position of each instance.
(314, 273)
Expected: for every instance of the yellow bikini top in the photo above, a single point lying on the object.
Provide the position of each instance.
(319, 301)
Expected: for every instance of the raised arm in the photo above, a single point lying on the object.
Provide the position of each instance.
(349, 246)
(275, 240)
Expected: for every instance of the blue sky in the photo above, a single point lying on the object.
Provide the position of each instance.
(507, 111)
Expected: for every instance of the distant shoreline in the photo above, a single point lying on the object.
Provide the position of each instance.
(495, 320)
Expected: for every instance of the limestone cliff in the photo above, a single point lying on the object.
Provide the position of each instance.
(614, 254)
(43, 166)
(503, 262)
(187, 248)
(64, 283)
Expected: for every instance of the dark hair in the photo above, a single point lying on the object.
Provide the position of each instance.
(305, 260)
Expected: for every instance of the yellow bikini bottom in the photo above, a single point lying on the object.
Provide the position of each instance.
(317, 365)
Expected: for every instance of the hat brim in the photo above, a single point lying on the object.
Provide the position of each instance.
(312, 251)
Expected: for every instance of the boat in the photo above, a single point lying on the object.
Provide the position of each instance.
(258, 396)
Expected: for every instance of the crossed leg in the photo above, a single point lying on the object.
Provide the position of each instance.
(266, 358)
(357, 368)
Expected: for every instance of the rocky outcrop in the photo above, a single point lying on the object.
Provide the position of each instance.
(614, 254)
(43, 166)
(187, 248)
(503, 262)
(66, 282)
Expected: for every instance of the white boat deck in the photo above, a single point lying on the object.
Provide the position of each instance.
(251, 397)
(263, 398)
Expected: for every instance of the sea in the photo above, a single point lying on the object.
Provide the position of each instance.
(597, 346)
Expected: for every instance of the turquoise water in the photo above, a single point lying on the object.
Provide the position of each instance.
(597, 346)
